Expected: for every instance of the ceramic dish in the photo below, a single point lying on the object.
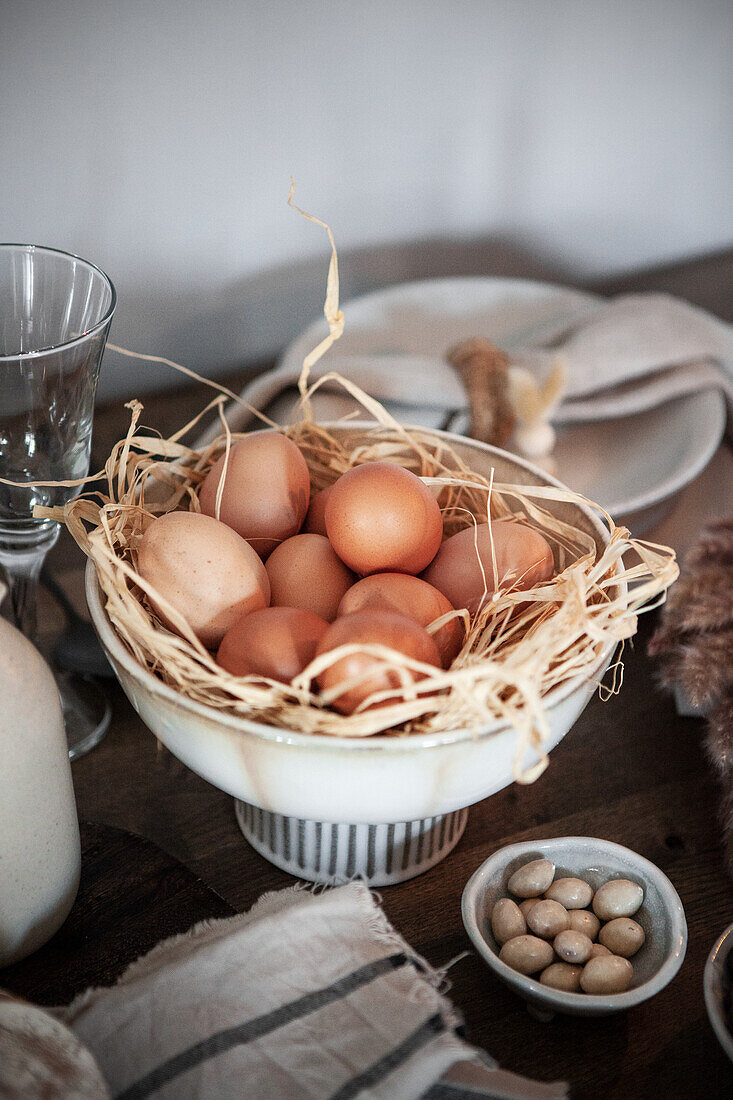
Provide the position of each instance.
(716, 983)
(661, 916)
(326, 808)
(608, 461)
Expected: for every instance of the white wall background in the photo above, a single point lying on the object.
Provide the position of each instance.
(156, 137)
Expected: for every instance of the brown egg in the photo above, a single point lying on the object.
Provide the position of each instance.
(266, 492)
(523, 560)
(315, 520)
(409, 596)
(306, 572)
(381, 518)
(205, 570)
(373, 628)
(277, 642)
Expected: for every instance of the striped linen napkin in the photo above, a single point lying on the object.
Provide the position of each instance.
(308, 995)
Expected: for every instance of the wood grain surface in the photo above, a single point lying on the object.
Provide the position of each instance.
(631, 771)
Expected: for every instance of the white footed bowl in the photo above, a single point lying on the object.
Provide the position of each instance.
(328, 808)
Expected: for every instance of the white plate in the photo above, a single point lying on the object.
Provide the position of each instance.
(633, 466)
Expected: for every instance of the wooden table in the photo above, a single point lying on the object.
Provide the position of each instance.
(631, 771)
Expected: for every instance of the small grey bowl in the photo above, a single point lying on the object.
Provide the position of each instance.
(661, 916)
(713, 986)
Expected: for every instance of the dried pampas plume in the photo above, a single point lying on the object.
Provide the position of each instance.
(695, 643)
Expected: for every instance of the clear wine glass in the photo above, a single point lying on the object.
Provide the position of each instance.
(55, 314)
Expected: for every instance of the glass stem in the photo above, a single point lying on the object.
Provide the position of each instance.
(23, 570)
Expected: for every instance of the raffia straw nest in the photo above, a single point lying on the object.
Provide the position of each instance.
(517, 648)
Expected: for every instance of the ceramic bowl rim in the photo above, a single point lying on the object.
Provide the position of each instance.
(555, 999)
(711, 981)
(378, 742)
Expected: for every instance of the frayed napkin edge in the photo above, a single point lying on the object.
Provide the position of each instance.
(272, 902)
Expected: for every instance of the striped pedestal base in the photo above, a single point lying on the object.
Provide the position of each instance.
(323, 851)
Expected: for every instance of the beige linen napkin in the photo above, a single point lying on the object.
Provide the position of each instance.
(621, 356)
(308, 995)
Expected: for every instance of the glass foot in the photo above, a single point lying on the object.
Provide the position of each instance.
(86, 711)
